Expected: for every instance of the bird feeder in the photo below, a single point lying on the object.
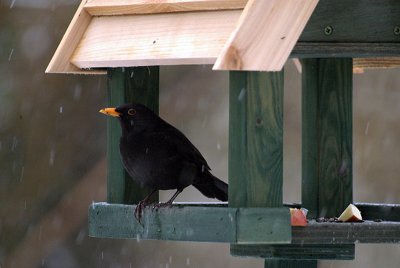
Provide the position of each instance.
(253, 40)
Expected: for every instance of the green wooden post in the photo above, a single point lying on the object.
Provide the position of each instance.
(327, 136)
(255, 142)
(255, 139)
(138, 84)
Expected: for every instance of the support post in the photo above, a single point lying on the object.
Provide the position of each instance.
(138, 84)
(255, 142)
(327, 185)
(255, 139)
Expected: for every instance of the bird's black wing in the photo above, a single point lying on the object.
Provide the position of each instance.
(183, 146)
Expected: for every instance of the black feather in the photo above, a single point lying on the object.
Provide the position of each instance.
(157, 155)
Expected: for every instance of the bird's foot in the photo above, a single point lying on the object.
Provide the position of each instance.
(139, 210)
(162, 205)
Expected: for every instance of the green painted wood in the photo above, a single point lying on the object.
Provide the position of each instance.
(220, 223)
(327, 142)
(347, 233)
(290, 263)
(362, 28)
(256, 143)
(255, 226)
(138, 84)
(384, 212)
(371, 211)
(344, 50)
(300, 253)
(176, 223)
(326, 136)
(355, 21)
(115, 170)
(255, 139)
(188, 223)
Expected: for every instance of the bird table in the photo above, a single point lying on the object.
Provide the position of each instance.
(253, 40)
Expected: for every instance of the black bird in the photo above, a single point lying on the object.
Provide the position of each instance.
(157, 155)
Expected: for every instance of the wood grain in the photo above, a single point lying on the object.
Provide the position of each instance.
(255, 142)
(60, 62)
(361, 21)
(188, 223)
(376, 63)
(125, 7)
(333, 49)
(327, 136)
(220, 223)
(141, 85)
(261, 225)
(255, 139)
(281, 254)
(371, 35)
(157, 39)
(265, 35)
(347, 233)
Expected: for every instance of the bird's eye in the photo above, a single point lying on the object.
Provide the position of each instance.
(131, 111)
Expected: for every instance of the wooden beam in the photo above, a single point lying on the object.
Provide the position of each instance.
(327, 160)
(347, 233)
(130, 7)
(376, 63)
(361, 21)
(296, 254)
(255, 139)
(203, 37)
(60, 62)
(157, 39)
(265, 35)
(219, 223)
(379, 212)
(335, 49)
(192, 223)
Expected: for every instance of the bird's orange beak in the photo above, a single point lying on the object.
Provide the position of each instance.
(110, 111)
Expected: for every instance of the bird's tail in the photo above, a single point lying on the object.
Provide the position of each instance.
(212, 187)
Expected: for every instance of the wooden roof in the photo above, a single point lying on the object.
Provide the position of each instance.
(233, 34)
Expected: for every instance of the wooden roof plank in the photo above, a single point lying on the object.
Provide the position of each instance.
(376, 63)
(60, 63)
(155, 39)
(265, 35)
(125, 7)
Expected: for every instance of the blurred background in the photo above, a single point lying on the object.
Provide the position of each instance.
(52, 150)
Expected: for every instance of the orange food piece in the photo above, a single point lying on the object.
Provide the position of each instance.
(298, 217)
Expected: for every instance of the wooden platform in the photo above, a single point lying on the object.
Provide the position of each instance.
(183, 222)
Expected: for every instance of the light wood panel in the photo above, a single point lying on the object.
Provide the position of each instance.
(157, 39)
(375, 63)
(265, 35)
(60, 63)
(124, 7)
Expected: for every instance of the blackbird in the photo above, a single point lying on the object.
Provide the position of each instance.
(157, 155)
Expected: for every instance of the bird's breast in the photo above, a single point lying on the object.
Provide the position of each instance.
(151, 164)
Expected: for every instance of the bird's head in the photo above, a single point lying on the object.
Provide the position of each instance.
(133, 117)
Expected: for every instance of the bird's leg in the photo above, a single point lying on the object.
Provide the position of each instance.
(141, 205)
(169, 202)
